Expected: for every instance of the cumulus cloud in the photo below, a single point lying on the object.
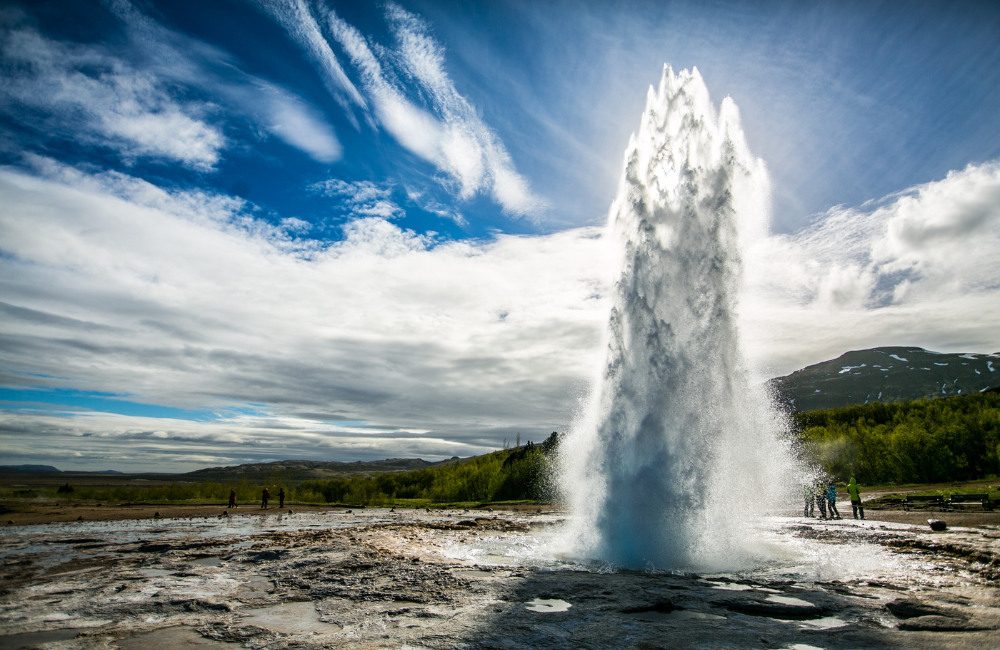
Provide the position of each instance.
(186, 299)
(916, 268)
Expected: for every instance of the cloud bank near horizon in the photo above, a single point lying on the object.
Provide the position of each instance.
(390, 343)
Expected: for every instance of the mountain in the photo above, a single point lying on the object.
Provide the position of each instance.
(301, 470)
(886, 375)
(28, 468)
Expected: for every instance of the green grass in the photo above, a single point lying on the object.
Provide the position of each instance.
(508, 476)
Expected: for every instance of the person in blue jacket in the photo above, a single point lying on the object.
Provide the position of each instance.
(831, 501)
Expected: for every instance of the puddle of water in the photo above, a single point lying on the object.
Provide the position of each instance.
(207, 561)
(257, 587)
(676, 615)
(291, 618)
(154, 573)
(171, 638)
(547, 606)
(729, 586)
(828, 623)
(472, 573)
(32, 639)
(788, 600)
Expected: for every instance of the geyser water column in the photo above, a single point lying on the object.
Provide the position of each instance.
(677, 454)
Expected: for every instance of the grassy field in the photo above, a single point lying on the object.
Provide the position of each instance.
(507, 476)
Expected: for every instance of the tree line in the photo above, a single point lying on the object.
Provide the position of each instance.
(510, 474)
(923, 441)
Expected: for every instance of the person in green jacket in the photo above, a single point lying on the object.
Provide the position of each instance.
(852, 490)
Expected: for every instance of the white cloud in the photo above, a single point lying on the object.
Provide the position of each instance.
(295, 17)
(449, 133)
(360, 198)
(168, 59)
(918, 268)
(295, 122)
(93, 95)
(185, 299)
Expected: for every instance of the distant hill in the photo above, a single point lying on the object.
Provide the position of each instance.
(28, 468)
(886, 375)
(301, 470)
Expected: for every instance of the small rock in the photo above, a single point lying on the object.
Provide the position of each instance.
(290, 511)
(80, 518)
(349, 512)
(156, 515)
(10, 521)
(937, 525)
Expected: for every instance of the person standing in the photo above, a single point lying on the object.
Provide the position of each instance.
(831, 501)
(264, 496)
(232, 498)
(855, 494)
(807, 495)
(820, 494)
(281, 498)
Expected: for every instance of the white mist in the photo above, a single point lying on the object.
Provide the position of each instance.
(678, 454)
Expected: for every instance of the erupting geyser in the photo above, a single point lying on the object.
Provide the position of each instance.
(678, 456)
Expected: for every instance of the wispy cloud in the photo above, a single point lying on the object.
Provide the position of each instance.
(447, 132)
(295, 17)
(360, 198)
(140, 106)
(181, 59)
(84, 92)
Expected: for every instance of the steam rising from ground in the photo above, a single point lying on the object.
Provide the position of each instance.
(677, 455)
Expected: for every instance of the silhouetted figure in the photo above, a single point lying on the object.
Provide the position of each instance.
(820, 493)
(831, 501)
(232, 498)
(264, 496)
(807, 494)
(855, 494)
(281, 498)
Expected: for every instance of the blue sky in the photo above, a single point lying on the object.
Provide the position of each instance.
(302, 215)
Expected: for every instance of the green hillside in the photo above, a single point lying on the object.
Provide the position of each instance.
(923, 441)
(886, 375)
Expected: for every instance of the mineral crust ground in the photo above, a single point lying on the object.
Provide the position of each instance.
(451, 579)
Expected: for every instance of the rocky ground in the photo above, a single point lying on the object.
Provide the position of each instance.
(381, 579)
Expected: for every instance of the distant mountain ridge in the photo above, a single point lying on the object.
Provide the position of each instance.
(298, 470)
(889, 374)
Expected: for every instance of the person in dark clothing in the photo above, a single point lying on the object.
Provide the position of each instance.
(232, 498)
(821, 499)
(264, 496)
(281, 498)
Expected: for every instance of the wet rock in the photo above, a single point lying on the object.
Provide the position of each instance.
(775, 610)
(911, 608)
(156, 515)
(662, 607)
(941, 624)
(937, 525)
